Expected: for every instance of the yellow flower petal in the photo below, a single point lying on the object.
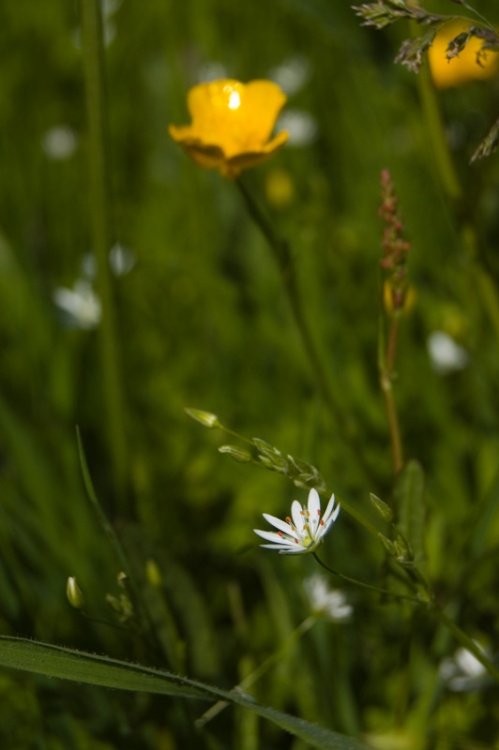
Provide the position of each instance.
(260, 105)
(231, 124)
(250, 159)
(464, 67)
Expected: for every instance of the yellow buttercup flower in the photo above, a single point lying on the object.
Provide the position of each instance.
(232, 123)
(468, 65)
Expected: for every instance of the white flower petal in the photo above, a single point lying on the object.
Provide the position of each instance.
(314, 511)
(281, 525)
(298, 515)
(272, 536)
(280, 547)
(329, 510)
(324, 528)
(298, 550)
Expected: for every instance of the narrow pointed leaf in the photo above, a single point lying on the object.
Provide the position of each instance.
(64, 663)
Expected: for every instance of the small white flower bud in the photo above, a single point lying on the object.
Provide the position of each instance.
(238, 454)
(203, 417)
(153, 573)
(74, 593)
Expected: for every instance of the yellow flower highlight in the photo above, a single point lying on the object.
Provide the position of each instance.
(468, 65)
(232, 123)
(279, 188)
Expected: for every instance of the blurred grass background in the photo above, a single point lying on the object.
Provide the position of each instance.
(203, 321)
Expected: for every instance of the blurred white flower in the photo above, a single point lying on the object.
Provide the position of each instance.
(291, 75)
(108, 32)
(445, 355)
(109, 7)
(300, 126)
(304, 530)
(329, 602)
(462, 671)
(59, 142)
(121, 260)
(80, 306)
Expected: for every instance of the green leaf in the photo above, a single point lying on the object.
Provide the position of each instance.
(64, 663)
(410, 504)
(78, 666)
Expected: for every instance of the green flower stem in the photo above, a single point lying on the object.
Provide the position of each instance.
(439, 613)
(364, 585)
(101, 516)
(214, 423)
(438, 138)
(466, 641)
(269, 662)
(283, 257)
(91, 30)
(393, 425)
(387, 376)
(391, 349)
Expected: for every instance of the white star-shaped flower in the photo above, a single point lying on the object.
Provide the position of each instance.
(304, 530)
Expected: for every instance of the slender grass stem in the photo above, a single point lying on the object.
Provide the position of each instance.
(391, 348)
(93, 65)
(387, 375)
(439, 142)
(284, 259)
(105, 524)
(393, 425)
(135, 589)
(255, 675)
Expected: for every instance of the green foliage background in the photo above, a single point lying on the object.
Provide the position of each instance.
(203, 321)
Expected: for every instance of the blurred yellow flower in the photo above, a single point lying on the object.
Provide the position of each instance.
(279, 188)
(468, 65)
(232, 124)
